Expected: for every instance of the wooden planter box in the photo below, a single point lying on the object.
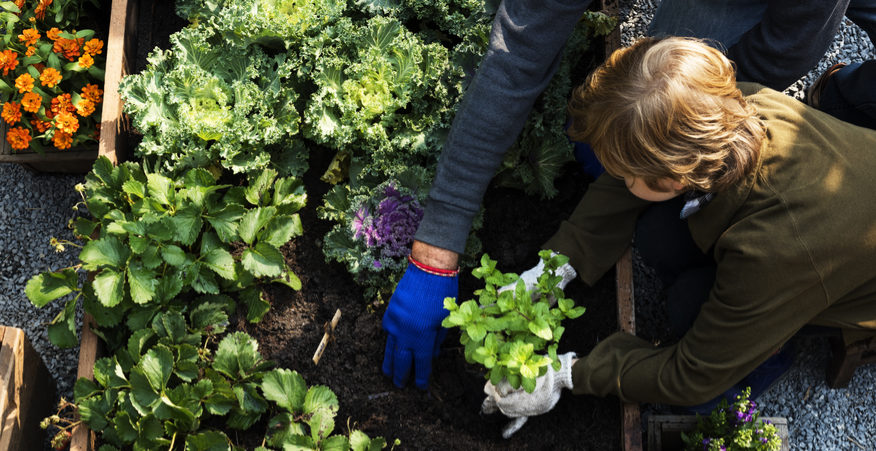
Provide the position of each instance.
(121, 41)
(664, 431)
(115, 127)
(27, 392)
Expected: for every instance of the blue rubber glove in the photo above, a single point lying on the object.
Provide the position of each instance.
(413, 324)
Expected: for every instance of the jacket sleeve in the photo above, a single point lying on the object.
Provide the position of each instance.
(788, 42)
(525, 48)
(762, 296)
(600, 228)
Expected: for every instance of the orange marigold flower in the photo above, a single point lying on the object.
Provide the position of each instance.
(62, 103)
(68, 47)
(11, 112)
(29, 36)
(8, 61)
(86, 61)
(92, 92)
(30, 51)
(18, 138)
(93, 47)
(54, 33)
(66, 122)
(62, 140)
(24, 83)
(85, 107)
(40, 126)
(40, 11)
(20, 4)
(50, 77)
(31, 102)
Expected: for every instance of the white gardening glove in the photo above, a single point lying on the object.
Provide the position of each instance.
(530, 278)
(519, 405)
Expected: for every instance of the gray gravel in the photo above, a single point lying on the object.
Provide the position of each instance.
(33, 209)
(819, 418)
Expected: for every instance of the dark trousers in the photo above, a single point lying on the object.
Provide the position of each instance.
(664, 242)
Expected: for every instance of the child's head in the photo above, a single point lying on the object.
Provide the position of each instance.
(668, 108)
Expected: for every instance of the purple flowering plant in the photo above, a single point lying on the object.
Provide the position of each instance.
(373, 233)
(731, 427)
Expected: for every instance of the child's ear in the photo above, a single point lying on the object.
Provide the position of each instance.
(678, 185)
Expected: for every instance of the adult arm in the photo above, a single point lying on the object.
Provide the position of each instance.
(788, 42)
(525, 49)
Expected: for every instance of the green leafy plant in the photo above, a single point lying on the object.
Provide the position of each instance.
(152, 238)
(208, 101)
(732, 427)
(172, 387)
(507, 331)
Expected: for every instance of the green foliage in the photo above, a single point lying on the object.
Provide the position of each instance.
(171, 380)
(537, 158)
(153, 238)
(507, 332)
(733, 427)
(207, 101)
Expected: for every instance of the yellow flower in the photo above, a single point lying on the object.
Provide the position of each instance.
(93, 47)
(86, 61)
(11, 112)
(29, 36)
(66, 122)
(31, 102)
(24, 83)
(62, 140)
(85, 107)
(50, 77)
(18, 138)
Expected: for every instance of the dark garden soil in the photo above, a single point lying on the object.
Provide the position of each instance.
(447, 416)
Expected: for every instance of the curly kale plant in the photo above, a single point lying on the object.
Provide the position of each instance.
(383, 95)
(153, 238)
(507, 332)
(273, 23)
(207, 101)
(172, 387)
(374, 232)
(733, 427)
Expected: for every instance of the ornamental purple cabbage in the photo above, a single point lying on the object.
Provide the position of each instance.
(393, 226)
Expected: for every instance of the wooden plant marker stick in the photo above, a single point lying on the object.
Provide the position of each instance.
(329, 334)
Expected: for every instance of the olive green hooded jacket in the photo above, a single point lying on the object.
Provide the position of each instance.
(794, 242)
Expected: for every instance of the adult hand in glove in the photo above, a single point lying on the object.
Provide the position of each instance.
(519, 405)
(530, 277)
(413, 322)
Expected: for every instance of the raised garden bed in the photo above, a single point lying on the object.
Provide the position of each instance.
(447, 416)
(26, 391)
(664, 431)
(79, 159)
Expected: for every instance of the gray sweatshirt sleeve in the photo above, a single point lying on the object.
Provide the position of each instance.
(788, 42)
(525, 48)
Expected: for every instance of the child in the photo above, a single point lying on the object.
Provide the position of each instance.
(775, 197)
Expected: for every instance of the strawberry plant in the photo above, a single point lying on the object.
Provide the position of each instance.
(152, 238)
(508, 331)
(173, 387)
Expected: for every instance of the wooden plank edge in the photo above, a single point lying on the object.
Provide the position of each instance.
(631, 420)
(9, 401)
(111, 114)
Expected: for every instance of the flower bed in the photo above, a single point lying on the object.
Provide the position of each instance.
(52, 84)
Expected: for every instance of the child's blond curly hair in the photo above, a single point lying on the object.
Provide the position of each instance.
(668, 108)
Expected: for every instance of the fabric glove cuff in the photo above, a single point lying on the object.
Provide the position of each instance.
(563, 377)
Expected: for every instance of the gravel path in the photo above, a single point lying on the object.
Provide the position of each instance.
(34, 208)
(819, 418)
